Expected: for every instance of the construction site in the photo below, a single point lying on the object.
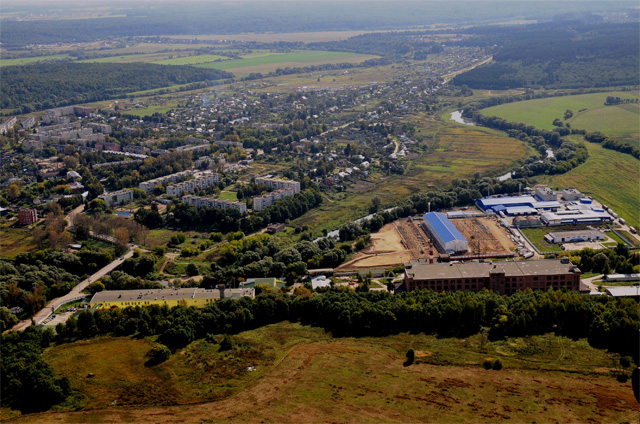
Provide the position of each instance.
(404, 240)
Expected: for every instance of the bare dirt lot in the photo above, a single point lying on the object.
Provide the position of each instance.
(395, 244)
(484, 235)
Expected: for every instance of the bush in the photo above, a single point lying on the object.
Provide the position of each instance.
(625, 362)
(192, 270)
(158, 354)
(487, 364)
(622, 377)
(411, 356)
(497, 365)
(226, 344)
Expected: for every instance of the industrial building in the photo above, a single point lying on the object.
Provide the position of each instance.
(170, 297)
(445, 235)
(577, 216)
(574, 236)
(501, 277)
(501, 204)
(571, 194)
(544, 193)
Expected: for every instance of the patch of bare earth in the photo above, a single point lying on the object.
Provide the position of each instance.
(353, 381)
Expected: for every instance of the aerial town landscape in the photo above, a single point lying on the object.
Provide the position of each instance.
(321, 211)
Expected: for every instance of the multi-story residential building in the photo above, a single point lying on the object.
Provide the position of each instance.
(117, 197)
(140, 150)
(266, 200)
(8, 124)
(212, 202)
(27, 216)
(149, 185)
(278, 183)
(200, 181)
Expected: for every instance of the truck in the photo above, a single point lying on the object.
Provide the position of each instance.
(633, 230)
(622, 221)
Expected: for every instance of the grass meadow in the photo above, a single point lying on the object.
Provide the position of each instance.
(589, 113)
(303, 374)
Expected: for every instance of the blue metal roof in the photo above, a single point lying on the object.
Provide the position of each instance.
(489, 202)
(443, 227)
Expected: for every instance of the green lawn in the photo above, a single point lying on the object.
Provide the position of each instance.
(536, 236)
(228, 195)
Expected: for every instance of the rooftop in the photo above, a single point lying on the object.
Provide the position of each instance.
(445, 229)
(425, 271)
(166, 294)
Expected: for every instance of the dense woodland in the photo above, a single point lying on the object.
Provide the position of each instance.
(556, 56)
(48, 85)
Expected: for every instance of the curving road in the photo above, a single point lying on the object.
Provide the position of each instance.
(54, 304)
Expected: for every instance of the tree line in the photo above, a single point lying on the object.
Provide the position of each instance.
(28, 88)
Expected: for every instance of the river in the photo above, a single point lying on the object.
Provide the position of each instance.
(457, 117)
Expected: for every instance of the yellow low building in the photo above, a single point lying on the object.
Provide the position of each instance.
(171, 297)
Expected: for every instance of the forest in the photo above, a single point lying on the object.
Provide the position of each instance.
(556, 56)
(43, 86)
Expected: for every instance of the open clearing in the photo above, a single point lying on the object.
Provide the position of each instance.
(311, 377)
(268, 62)
(15, 240)
(589, 113)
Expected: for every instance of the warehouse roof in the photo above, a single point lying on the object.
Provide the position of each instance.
(166, 294)
(423, 271)
(443, 227)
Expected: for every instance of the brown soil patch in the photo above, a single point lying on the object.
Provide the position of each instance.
(395, 244)
(350, 381)
(484, 235)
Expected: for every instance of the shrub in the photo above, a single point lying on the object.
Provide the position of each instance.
(411, 356)
(497, 365)
(487, 364)
(226, 344)
(158, 354)
(622, 377)
(625, 362)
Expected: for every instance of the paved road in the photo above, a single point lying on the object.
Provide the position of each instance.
(72, 215)
(74, 293)
(589, 282)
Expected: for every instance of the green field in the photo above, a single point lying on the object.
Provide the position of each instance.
(27, 60)
(610, 177)
(16, 239)
(303, 374)
(536, 236)
(620, 121)
(297, 58)
(228, 195)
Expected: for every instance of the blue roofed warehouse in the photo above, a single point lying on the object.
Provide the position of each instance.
(444, 234)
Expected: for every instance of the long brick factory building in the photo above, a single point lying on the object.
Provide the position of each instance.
(503, 277)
